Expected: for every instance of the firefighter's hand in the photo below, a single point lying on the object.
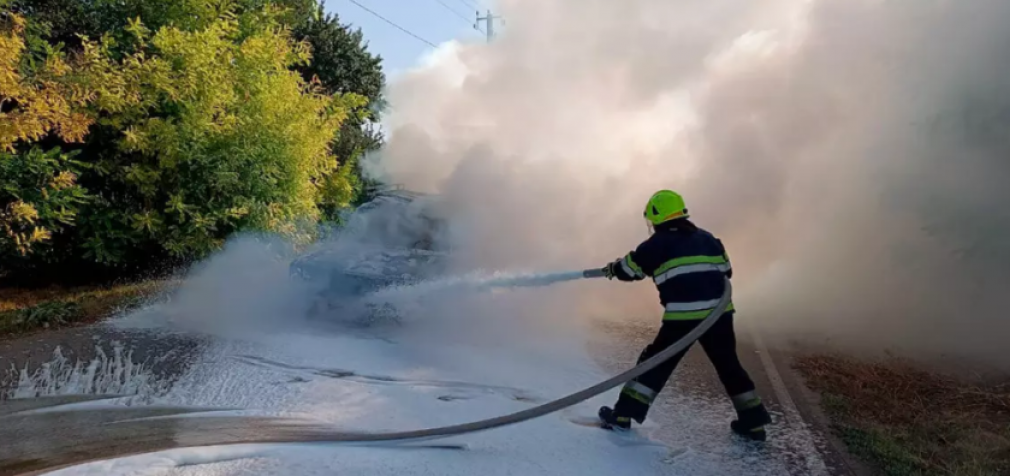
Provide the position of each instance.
(610, 270)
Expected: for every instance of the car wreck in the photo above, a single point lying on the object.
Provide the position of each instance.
(395, 239)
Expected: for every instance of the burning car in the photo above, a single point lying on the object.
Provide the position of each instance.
(392, 240)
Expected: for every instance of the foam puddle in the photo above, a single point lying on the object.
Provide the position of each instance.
(556, 444)
(167, 461)
(402, 391)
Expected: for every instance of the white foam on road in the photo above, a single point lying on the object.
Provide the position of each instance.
(411, 380)
(412, 388)
(167, 461)
(398, 386)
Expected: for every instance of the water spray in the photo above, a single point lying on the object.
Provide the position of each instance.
(539, 280)
(478, 283)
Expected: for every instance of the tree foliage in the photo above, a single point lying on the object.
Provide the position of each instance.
(342, 63)
(37, 101)
(341, 60)
(65, 20)
(245, 147)
(40, 196)
(139, 140)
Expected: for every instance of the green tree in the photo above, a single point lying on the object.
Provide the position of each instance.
(64, 21)
(37, 99)
(128, 142)
(189, 135)
(242, 143)
(39, 196)
(341, 63)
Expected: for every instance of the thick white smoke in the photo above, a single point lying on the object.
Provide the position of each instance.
(850, 153)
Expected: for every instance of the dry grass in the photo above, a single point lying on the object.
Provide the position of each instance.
(907, 421)
(27, 310)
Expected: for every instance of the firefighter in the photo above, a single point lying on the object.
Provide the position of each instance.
(687, 264)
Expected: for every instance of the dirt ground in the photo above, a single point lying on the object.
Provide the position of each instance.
(903, 419)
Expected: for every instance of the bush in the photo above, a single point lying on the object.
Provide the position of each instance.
(241, 143)
(45, 315)
(154, 145)
(39, 196)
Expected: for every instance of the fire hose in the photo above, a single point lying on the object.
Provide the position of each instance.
(228, 430)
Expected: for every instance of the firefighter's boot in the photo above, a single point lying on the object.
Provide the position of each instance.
(611, 421)
(751, 417)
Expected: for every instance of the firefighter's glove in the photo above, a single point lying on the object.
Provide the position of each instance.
(611, 269)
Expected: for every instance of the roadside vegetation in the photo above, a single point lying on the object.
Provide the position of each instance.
(141, 134)
(137, 135)
(28, 310)
(904, 421)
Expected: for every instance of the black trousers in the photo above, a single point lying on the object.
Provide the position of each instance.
(719, 343)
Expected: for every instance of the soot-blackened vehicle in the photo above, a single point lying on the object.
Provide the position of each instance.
(395, 239)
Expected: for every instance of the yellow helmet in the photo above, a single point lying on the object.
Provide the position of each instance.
(665, 205)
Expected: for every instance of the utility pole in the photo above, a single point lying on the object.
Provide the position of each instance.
(489, 23)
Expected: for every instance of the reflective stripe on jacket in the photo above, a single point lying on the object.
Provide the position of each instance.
(687, 267)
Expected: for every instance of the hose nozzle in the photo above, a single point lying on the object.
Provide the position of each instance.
(594, 273)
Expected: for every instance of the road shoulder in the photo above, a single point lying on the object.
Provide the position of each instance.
(805, 403)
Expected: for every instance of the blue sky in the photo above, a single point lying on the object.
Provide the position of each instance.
(427, 19)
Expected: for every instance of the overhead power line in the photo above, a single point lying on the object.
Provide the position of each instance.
(459, 15)
(454, 12)
(391, 23)
(469, 4)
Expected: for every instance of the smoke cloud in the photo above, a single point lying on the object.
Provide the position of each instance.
(850, 153)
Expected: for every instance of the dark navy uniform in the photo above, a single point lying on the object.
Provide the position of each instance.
(688, 266)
